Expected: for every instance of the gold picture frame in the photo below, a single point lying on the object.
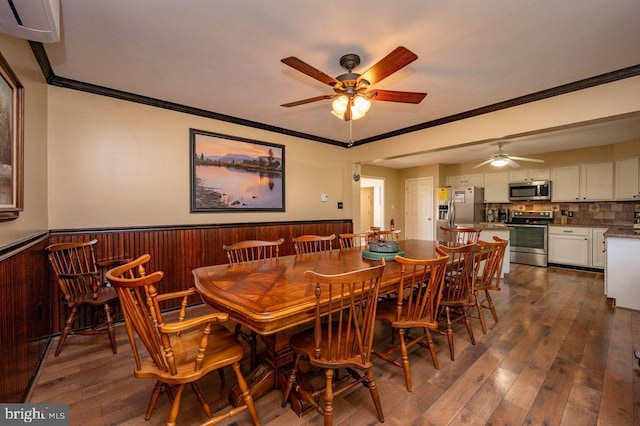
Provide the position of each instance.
(11, 143)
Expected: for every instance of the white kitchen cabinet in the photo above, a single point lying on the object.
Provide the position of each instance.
(565, 183)
(569, 245)
(598, 250)
(496, 187)
(622, 273)
(466, 180)
(587, 182)
(596, 182)
(626, 184)
(529, 175)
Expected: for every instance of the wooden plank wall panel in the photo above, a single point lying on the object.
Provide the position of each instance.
(178, 250)
(25, 324)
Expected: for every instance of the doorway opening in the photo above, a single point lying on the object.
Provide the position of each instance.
(371, 203)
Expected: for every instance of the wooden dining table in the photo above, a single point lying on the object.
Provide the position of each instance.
(274, 299)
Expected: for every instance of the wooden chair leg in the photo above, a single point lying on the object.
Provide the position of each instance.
(110, 330)
(373, 390)
(154, 398)
(432, 349)
(292, 379)
(201, 399)
(450, 332)
(493, 308)
(467, 323)
(405, 359)
(66, 330)
(328, 397)
(175, 406)
(246, 395)
(483, 324)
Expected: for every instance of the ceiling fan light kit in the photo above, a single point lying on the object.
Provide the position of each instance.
(352, 97)
(359, 106)
(501, 159)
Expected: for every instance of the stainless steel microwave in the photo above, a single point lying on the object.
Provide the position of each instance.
(535, 190)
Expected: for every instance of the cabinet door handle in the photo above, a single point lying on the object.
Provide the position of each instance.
(570, 232)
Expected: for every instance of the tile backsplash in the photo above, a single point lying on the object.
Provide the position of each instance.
(593, 214)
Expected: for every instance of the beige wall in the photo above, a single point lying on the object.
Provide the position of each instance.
(114, 163)
(597, 154)
(33, 220)
(595, 103)
(93, 161)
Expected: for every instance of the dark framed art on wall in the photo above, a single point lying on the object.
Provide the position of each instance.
(11, 143)
(235, 174)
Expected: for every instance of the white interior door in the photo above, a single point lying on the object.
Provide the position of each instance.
(419, 208)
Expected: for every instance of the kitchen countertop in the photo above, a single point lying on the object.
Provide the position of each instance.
(492, 226)
(625, 231)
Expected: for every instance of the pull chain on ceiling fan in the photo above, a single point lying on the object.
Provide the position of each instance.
(500, 159)
(352, 90)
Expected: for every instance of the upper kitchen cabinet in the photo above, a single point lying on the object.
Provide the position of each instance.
(529, 175)
(627, 179)
(496, 187)
(588, 182)
(466, 180)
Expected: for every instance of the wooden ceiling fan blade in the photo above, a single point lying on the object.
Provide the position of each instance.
(535, 160)
(312, 72)
(396, 96)
(399, 58)
(307, 101)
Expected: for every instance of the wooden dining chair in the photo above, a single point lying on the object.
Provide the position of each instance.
(416, 307)
(342, 337)
(389, 235)
(313, 243)
(180, 352)
(461, 235)
(488, 273)
(251, 251)
(350, 240)
(81, 287)
(457, 293)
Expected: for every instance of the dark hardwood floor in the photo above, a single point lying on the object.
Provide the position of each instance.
(560, 355)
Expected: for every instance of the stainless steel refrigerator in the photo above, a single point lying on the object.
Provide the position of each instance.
(461, 206)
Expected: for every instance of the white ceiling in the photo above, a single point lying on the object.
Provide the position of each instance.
(224, 57)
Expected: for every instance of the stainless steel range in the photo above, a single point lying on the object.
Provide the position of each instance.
(529, 236)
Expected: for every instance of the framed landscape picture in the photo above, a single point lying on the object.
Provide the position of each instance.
(235, 174)
(11, 143)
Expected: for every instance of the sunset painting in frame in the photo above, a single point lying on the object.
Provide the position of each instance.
(235, 174)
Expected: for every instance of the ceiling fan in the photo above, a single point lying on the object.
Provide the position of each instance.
(352, 90)
(500, 159)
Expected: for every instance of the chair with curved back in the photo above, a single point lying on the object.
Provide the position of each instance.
(461, 235)
(251, 251)
(313, 243)
(80, 282)
(488, 276)
(457, 293)
(342, 337)
(416, 306)
(350, 240)
(179, 352)
(388, 235)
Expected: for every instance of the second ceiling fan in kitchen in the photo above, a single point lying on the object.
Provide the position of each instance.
(501, 158)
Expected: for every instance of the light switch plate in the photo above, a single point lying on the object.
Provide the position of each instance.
(324, 197)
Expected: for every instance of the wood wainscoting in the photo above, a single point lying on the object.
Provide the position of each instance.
(32, 310)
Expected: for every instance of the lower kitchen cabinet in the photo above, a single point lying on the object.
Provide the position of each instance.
(569, 245)
(577, 246)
